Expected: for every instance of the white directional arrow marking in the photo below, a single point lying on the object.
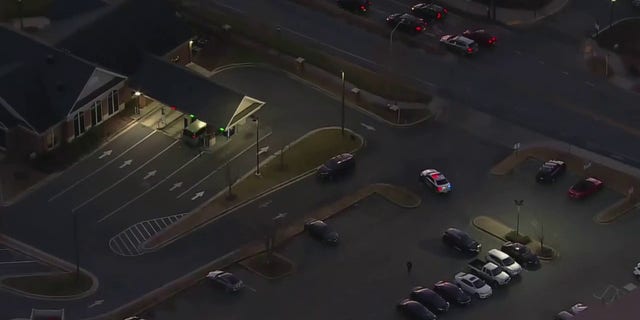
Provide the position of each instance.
(150, 174)
(96, 303)
(176, 186)
(368, 127)
(105, 154)
(263, 150)
(198, 195)
(126, 163)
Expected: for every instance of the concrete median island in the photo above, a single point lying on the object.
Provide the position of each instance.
(501, 231)
(615, 178)
(300, 159)
(49, 286)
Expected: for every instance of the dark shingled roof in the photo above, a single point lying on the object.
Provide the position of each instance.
(190, 92)
(119, 39)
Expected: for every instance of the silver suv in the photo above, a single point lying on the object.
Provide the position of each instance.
(461, 44)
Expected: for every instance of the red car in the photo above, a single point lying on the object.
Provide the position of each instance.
(585, 188)
(481, 36)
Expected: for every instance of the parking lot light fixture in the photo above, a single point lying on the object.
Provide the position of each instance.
(519, 204)
(342, 118)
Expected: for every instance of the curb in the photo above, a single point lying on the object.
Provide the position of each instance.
(327, 92)
(35, 296)
(287, 260)
(598, 218)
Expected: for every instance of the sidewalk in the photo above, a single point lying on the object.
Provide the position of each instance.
(509, 17)
(618, 71)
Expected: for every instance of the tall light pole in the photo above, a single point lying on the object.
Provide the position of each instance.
(519, 204)
(137, 94)
(76, 245)
(611, 14)
(391, 53)
(342, 118)
(257, 120)
(20, 14)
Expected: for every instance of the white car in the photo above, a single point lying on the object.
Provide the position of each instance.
(636, 271)
(461, 44)
(473, 285)
(435, 180)
(226, 279)
(504, 261)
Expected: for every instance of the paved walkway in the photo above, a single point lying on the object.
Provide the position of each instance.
(510, 17)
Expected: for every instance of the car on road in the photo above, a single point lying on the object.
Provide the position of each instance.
(451, 293)
(319, 230)
(636, 271)
(585, 188)
(459, 44)
(415, 310)
(429, 11)
(473, 285)
(489, 271)
(435, 180)
(337, 166)
(504, 261)
(551, 170)
(481, 37)
(430, 299)
(407, 22)
(359, 6)
(521, 253)
(461, 241)
(227, 280)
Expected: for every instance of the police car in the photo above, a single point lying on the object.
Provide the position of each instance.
(435, 180)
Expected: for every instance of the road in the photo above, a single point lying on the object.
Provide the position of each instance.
(537, 79)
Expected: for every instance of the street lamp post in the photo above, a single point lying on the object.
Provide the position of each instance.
(137, 94)
(20, 14)
(76, 245)
(611, 14)
(257, 120)
(519, 204)
(391, 53)
(342, 118)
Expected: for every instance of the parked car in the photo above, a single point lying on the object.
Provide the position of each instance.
(473, 285)
(337, 166)
(489, 271)
(414, 310)
(429, 11)
(585, 188)
(460, 241)
(435, 180)
(521, 253)
(504, 261)
(451, 293)
(430, 299)
(321, 231)
(551, 170)
(459, 44)
(227, 280)
(359, 6)
(636, 271)
(407, 23)
(481, 37)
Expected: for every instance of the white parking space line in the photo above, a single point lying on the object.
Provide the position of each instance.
(133, 245)
(145, 230)
(162, 220)
(139, 238)
(222, 166)
(124, 178)
(18, 262)
(251, 289)
(142, 234)
(149, 189)
(100, 168)
(591, 84)
(172, 219)
(157, 224)
(113, 242)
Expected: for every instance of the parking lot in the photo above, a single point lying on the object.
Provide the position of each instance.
(365, 276)
(14, 263)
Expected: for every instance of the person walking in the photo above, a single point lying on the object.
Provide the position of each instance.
(409, 266)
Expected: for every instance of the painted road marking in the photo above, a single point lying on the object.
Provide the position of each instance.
(589, 83)
(175, 186)
(105, 154)
(125, 163)
(149, 189)
(229, 7)
(124, 178)
(368, 127)
(250, 288)
(17, 262)
(565, 73)
(100, 168)
(132, 238)
(220, 167)
(197, 195)
(540, 62)
(518, 52)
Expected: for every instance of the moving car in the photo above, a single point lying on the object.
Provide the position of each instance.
(636, 271)
(460, 44)
(481, 36)
(227, 280)
(460, 241)
(429, 299)
(585, 188)
(407, 22)
(360, 6)
(489, 271)
(504, 261)
(319, 230)
(429, 11)
(337, 166)
(435, 180)
(473, 285)
(551, 170)
(414, 310)
(521, 253)
(451, 293)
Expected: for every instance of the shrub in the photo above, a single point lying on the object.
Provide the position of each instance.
(517, 237)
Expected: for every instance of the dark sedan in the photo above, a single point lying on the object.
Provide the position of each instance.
(406, 23)
(482, 37)
(430, 299)
(452, 293)
(320, 230)
(521, 253)
(359, 6)
(551, 170)
(460, 241)
(337, 166)
(429, 11)
(585, 188)
(415, 310)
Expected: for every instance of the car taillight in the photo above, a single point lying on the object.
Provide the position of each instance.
(445, 10)
(470, 50)
(439, 16)
(363, 8)
(418, 28)
(440, 189)
(193, 136)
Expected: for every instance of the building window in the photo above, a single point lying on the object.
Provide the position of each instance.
(113, 101)
(96, 113)
(78, 124)
(52, 139)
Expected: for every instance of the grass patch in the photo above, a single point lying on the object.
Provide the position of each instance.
(54, 285)
(518, 4)
(278, 267)
(517, 237)
(9, 9)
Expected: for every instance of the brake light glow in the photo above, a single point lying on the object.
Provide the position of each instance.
(439, 15)
(363, 8)
(193, 136)
(445, 10)
(418, 28)
(440, 189)
(470, 50)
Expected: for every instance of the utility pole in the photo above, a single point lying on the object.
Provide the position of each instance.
(76, 245)
(20, 14)
(257, 146)
(613, 2)
(342, 119)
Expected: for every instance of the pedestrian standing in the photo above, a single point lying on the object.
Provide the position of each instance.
(409, 266)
